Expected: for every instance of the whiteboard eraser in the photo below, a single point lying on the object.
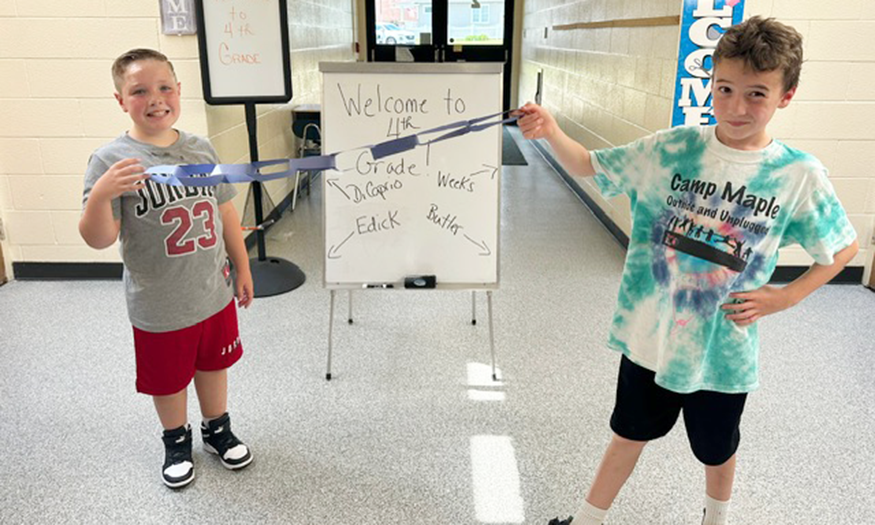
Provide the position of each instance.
(420, 281)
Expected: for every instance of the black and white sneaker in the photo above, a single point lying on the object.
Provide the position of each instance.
(219, 440)
(557, 521)
(178, 468)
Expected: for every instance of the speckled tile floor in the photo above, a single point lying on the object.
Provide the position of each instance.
(412, 429)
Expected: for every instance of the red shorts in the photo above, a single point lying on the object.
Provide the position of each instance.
(167, 361)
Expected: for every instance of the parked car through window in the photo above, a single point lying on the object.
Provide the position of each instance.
(391, 34)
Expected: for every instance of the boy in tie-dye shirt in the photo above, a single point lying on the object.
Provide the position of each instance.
(710, 207)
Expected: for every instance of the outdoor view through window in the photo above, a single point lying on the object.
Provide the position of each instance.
(409, 22)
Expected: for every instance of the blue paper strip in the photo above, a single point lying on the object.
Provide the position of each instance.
(385, 149)
(213, 174)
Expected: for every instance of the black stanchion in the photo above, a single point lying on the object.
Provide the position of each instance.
(270, 275)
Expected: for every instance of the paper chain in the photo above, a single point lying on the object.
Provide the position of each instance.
(213, 174)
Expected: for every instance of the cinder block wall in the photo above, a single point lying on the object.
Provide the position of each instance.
(56, 106)
(610, 86)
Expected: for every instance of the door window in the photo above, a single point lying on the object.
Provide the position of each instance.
(479, 22)
(402, 22)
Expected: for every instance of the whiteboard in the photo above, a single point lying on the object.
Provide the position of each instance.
(244, 53)
(432, 210)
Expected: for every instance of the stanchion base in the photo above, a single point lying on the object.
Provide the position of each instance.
(274, 276)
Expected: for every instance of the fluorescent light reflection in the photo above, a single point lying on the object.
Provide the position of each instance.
(496, 480)
(485, 395)
(480, 374)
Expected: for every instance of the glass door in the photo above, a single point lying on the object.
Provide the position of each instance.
(479, 31)
(441, 31)
(400, 31)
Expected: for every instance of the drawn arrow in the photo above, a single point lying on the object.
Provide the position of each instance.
(482, 246)
(493, 168)
(332, 252)
(333, 182)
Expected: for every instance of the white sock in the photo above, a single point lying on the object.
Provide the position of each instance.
(589, 514)
(715, 511)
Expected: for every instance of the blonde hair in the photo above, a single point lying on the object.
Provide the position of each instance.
(764, 44)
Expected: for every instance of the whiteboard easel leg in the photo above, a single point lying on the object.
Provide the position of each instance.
(330, 333)
(474, 308)
(491, 333)
(295, 192)
(349, 315)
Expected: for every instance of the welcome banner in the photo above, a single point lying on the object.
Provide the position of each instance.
(703, 22)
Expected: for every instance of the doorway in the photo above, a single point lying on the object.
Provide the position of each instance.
(872, 273)
(442, 31)
(2, 267)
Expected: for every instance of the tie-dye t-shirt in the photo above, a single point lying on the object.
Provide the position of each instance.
(707, 220)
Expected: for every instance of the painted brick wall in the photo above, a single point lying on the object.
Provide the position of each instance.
(612, 85)
(56, 106)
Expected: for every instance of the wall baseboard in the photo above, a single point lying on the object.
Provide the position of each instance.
(849, 275)
(48, 271)
(782, 274)
(42, 271)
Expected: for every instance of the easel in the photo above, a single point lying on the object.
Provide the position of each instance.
(431, 219)
(473, 322)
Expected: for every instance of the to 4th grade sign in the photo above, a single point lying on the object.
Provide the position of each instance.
(244, 51)
(703, 22)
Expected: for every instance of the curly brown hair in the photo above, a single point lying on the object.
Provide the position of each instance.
(764, 44)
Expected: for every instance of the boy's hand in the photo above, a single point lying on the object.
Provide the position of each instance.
(536, 122)
(757, 304)
(124, 175)
(244, 289)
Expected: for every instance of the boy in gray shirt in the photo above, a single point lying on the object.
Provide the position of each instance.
(175, 245)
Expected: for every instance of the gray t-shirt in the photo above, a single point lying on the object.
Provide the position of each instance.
(176, 268)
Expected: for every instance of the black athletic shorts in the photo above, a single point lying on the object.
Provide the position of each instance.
(645, 411)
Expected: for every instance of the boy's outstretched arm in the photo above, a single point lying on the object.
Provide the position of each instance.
(97, 226)
(538, 123)
(770, 299)
(236, 248)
